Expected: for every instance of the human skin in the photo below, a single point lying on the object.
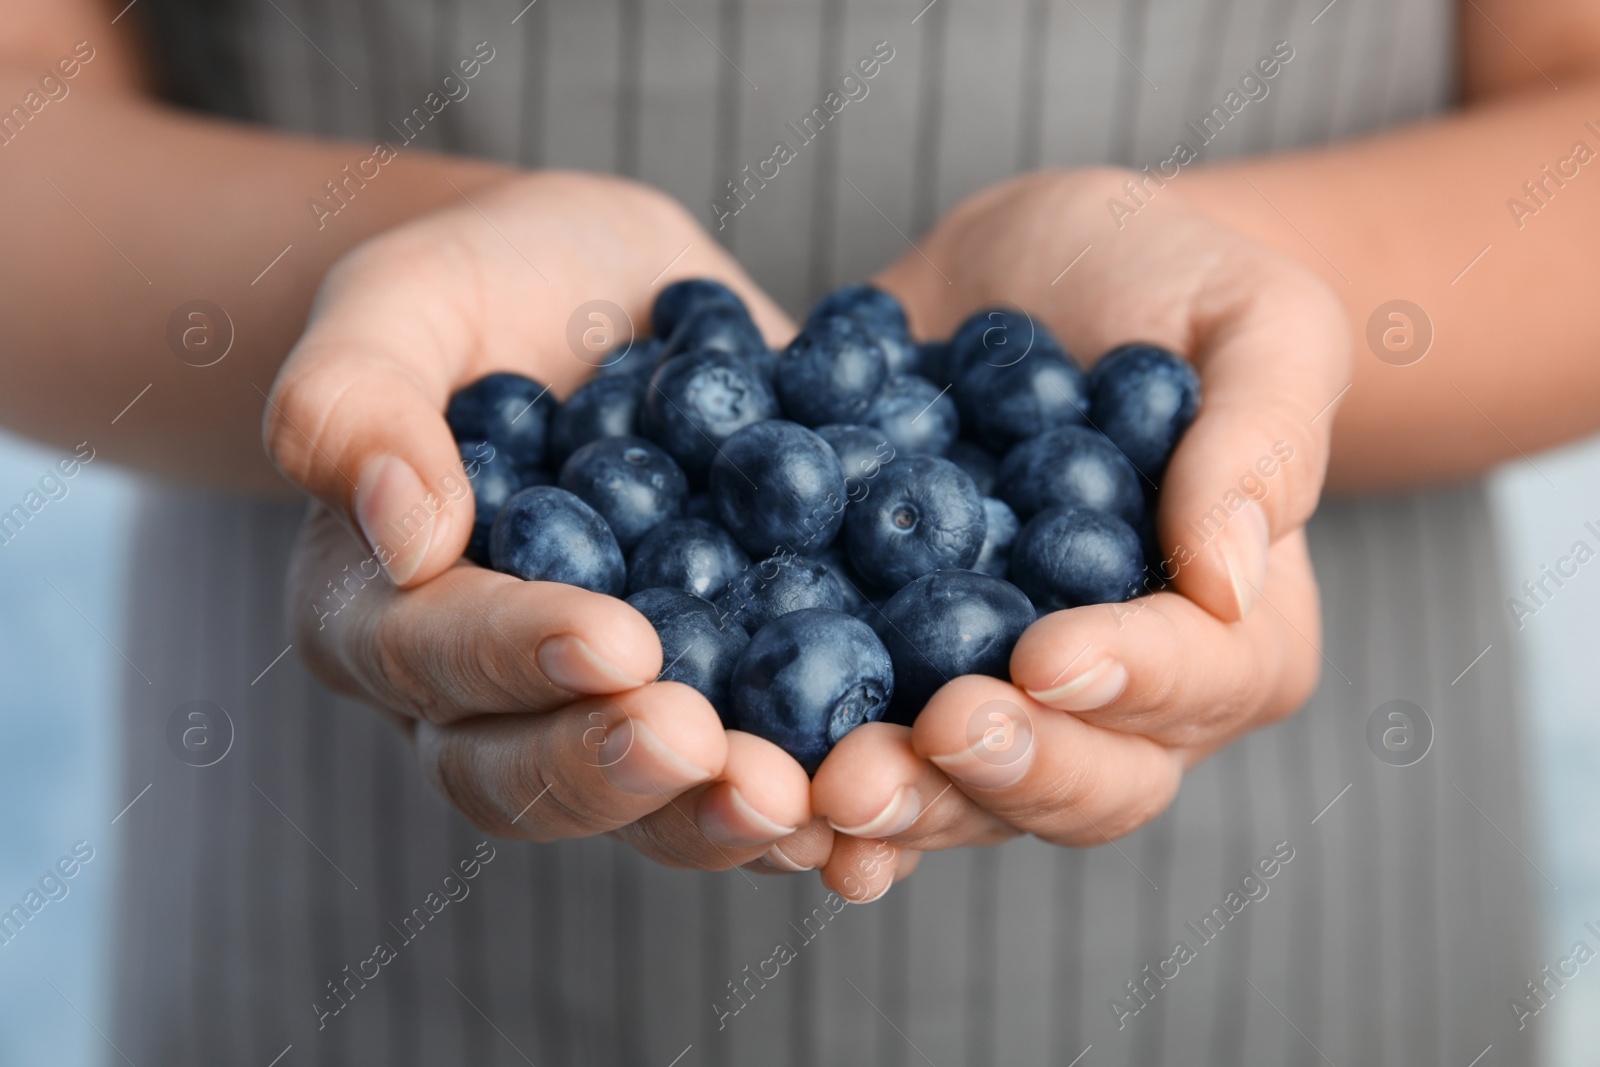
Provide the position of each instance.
(202, 206)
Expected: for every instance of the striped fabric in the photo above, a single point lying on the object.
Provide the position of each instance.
(1398, 919)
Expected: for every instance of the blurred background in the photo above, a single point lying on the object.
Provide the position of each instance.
(60, 776)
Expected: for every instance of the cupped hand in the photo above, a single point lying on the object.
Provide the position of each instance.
(534, 706)
(1107, 705)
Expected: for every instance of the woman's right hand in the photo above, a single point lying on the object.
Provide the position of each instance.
(532, 705)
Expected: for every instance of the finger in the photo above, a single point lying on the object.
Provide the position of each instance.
(804, 850)
(469, 641)
(1273, 351)
(1043, 771)
(861, 871)
(874, 786)
(1164, 667)
(591, 767)
(762, 796)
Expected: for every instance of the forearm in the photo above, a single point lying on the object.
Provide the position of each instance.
(1402, 216)
(119, 211)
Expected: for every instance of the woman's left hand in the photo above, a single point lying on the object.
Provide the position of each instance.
(1108, 705)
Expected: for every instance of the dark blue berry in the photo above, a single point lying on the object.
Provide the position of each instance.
(602, 407)
(1001, 405)
(778, 486)
(545, 534)
(632, 484)
(865, 303)
(635, 358)
(507, 410)
(1143, 398)
(999, 533)
(1068, 557)
(809, 678)
(777, 586)
(719, 329)
(1069, 465)
(831, 372)
(979, 464)
(699, 647)
(947, 624)
(932, 357)
(862, 450)
(918, 417)
(495, 479)
(851, 585)
(680, 300)
(921, 514)
(694, 555)
(1000, 337)
(697, 401)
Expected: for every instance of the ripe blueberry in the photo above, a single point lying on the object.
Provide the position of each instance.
(695, 555)
(1143, 398)
(680, 300)
(697, 401)
(1001, 405)
(831, 372)
(604, 406)
(777, 586)
(777, 485)
(1069, 465)
(922, 514)
(545, 534)
(632, 484)
(720, 329)
(999, 533)
(947, 624)
(1067, 557)
(495, 479)
(509, 411)
(1000, 337)
(979, 464)
(918, 417)
(698, 645)
(807, 679)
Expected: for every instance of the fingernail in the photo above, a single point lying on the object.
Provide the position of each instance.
(989, 768)
(903, 809)
(737, 824)
(778, 859)
(569, 662)
(1095, 687)
(1244, 546)
(634, 760)
(391, 506)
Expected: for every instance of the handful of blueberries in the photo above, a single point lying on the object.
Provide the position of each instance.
(824, 536)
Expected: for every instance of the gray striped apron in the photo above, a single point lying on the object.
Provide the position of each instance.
(255, 891)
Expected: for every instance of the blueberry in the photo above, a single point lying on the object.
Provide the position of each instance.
(765, 362)
(698, 645)
(947, 624)
(697, 401)
(1069, 465)
(921, 514)
(1000, 337)
(720, 329)
(851, 585)
(777, 586)
(680, 300)
(862, 450)
(545, 534)
(507, 410)
(777, 485)
(1143, 398)
(694, 555)
(495, 479)
(632, 484)
(931, 359)
(999, 533)
(602, 407)
(980, 466)
(831, 372)
(635, 358)
(1066, 557)
(809, 678)
(865, 303)
(918, 417)
(1001, 405)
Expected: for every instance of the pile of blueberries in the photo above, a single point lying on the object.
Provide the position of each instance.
(824, 536)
